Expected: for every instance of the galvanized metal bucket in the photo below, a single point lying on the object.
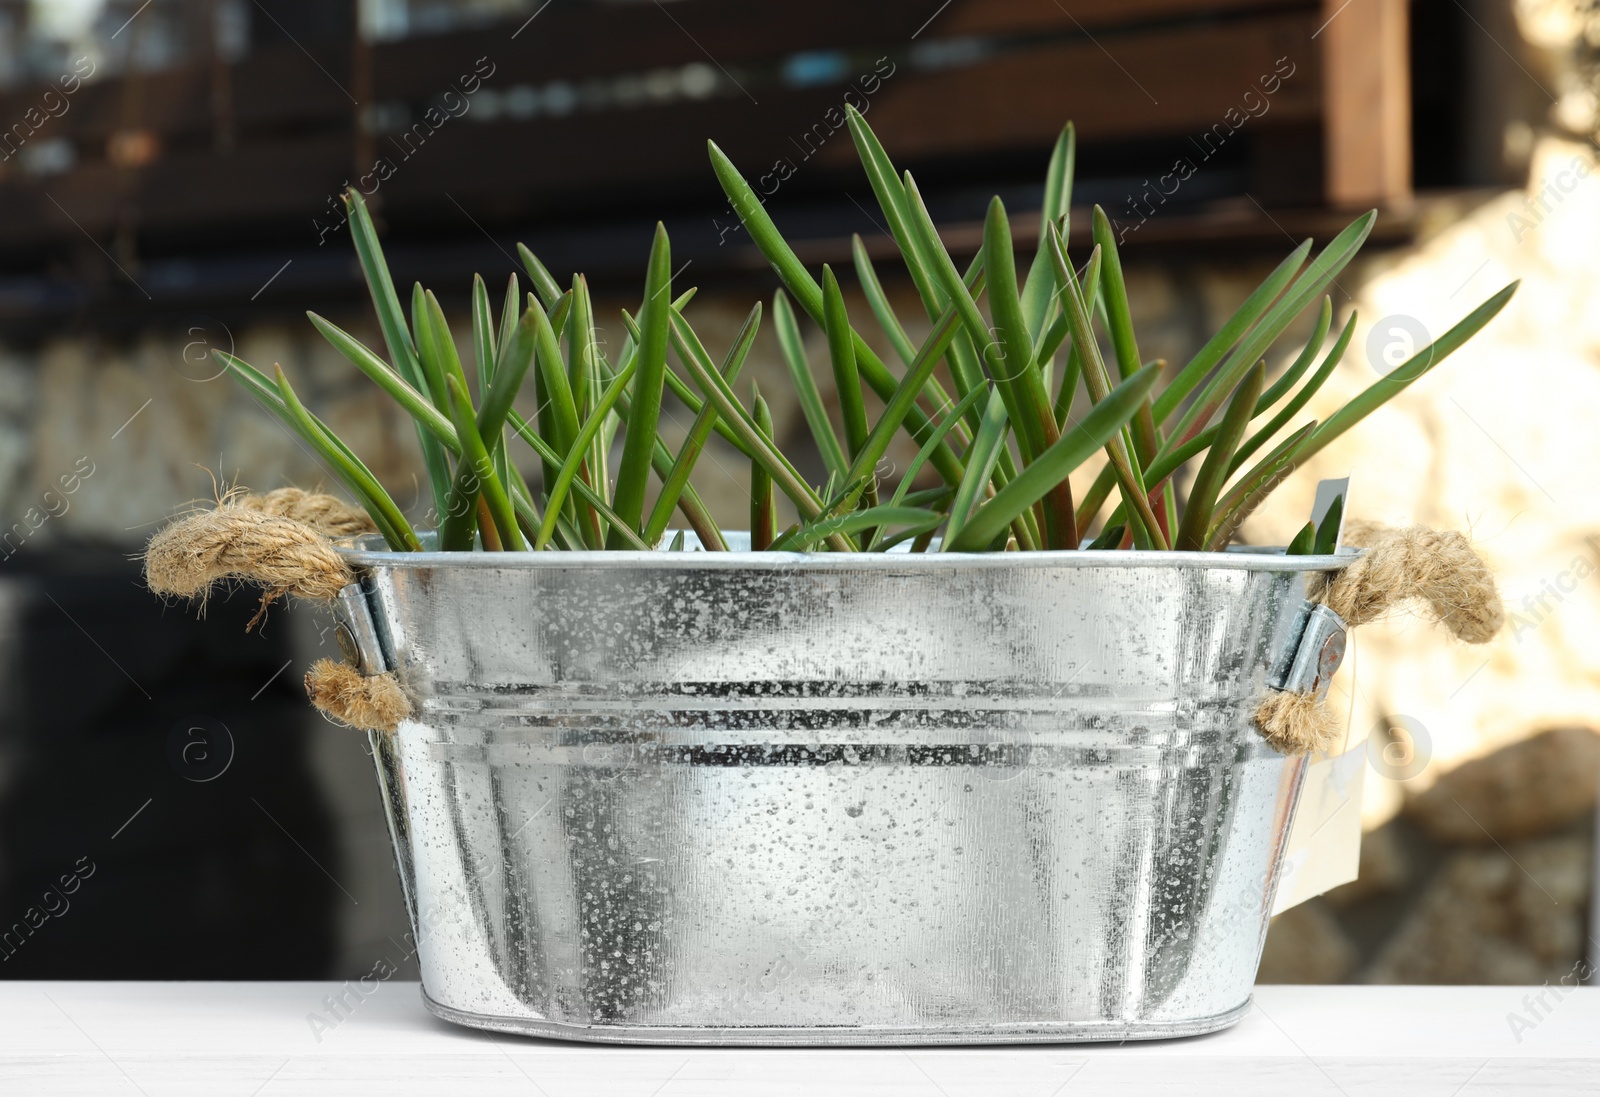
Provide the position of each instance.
(761, 798)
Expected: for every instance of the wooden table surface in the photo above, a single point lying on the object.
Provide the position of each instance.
(220, 1039)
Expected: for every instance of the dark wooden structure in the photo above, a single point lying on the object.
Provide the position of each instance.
(590, 118)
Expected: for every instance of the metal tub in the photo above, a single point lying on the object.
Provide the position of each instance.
(761, 798)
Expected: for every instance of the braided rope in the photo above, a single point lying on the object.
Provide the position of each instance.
(279, 540)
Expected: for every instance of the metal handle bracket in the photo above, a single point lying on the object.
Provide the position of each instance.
(358, 634)
(1316, 657)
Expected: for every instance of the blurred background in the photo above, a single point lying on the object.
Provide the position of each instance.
(170, 807)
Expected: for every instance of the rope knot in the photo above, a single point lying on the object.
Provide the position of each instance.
(375, 703)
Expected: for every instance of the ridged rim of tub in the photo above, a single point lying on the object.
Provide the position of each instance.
(1237, 558)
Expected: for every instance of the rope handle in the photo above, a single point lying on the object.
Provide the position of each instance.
(282, 541)
(1436, 567)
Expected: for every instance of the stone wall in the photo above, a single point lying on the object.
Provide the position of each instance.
(1480, 803)
(1484, 878)
(163, 427)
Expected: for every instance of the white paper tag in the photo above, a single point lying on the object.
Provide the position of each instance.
(1324, 848)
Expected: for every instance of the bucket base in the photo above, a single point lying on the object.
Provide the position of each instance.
(1044, 1032)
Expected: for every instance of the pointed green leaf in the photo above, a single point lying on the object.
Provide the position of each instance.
(886, 187)
(792, 345)
(431, 372)
(808, 294)
(981, 459)
(1229, 334)
(1142, 519)
(1089, 435)
(396, 530)
(1038, 294)
(763, 501)
(1395, 382)
(842, 352)
(396, 336)
(857, 521)
(548, 289)
(1119, 322)
(655, 320)
(556, 496)
(700, 432)
(475, 475)
(1214, 470)
(878, 301)
(483, 341)
(1304, 542)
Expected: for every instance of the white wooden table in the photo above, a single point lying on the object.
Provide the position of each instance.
(219, 1039)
